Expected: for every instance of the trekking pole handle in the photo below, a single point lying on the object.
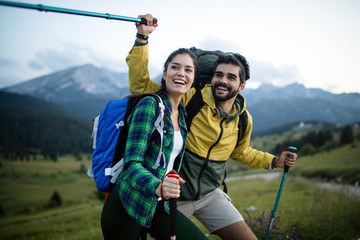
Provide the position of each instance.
(142, 21)
(291, 149)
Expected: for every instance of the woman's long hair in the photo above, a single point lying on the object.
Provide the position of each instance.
(184, 51)
(166, 65)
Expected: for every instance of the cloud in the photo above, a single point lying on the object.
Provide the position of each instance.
(262, 72)
(59, 57)
(69, 54)
(214, 43)
(7, 62)
(36, 65)
(8, 73)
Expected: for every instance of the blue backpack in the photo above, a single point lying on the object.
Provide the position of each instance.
(109, 135)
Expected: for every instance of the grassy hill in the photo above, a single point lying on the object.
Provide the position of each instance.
(305, 209)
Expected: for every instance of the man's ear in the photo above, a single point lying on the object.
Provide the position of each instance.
(241, 88)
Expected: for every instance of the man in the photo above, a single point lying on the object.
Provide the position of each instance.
(212, 139)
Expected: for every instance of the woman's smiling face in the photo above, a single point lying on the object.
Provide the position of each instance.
(180, 74)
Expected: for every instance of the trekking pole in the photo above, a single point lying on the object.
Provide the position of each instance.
(173, 206)
(41, 7)
(286, 169)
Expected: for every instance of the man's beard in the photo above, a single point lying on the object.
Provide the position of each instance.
(226, 97)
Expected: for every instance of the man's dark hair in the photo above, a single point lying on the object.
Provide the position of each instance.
(237, 60)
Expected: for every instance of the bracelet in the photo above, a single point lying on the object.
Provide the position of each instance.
(273, 163)
(143, 37)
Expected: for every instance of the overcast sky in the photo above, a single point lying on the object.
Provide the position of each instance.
(312, 42)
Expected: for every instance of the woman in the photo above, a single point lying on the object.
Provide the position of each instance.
(137, 201)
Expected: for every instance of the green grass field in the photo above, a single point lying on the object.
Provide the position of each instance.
(316, 213)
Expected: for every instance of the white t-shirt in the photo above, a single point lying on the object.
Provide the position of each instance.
(178, 144)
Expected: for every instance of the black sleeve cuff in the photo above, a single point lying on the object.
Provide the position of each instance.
(140, 43)
(272, 166)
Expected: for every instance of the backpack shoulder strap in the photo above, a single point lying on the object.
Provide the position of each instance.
(193, 107)
(242, 125)
(159, 127)
(243, 122)
(133, 101)
(160, 114)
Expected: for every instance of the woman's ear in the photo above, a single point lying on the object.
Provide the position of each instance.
(163, 76)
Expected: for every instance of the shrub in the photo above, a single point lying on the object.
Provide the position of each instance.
(307, 149)
(99, 195)
(24, 211)
(329, 146)
(357, 136)
(260, 227)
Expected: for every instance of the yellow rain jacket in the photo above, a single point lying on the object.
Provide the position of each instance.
(211, 140)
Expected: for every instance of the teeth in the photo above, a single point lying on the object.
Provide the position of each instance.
(179, 82)
(222, 88)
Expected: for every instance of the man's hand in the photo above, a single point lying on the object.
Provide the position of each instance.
(286, 157)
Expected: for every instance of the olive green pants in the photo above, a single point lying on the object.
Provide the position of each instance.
(116, 223)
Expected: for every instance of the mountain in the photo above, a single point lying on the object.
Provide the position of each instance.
(269, 92)
(86, 89)
(74, 85)
(273, 106)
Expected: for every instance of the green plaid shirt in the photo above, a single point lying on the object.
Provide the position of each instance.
(138, 180)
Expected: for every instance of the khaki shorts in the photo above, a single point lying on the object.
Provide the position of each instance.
(214, 211)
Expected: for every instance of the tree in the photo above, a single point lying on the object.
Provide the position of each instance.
(82, 168)
(55, 200)
(2, 212)
(347, 135)
(307, 149)
(323, 136)
(311, 138)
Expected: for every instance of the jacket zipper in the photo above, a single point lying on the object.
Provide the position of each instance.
(207, 160)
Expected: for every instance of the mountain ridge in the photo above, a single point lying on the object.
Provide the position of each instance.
(86, 89)
(74, 84)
